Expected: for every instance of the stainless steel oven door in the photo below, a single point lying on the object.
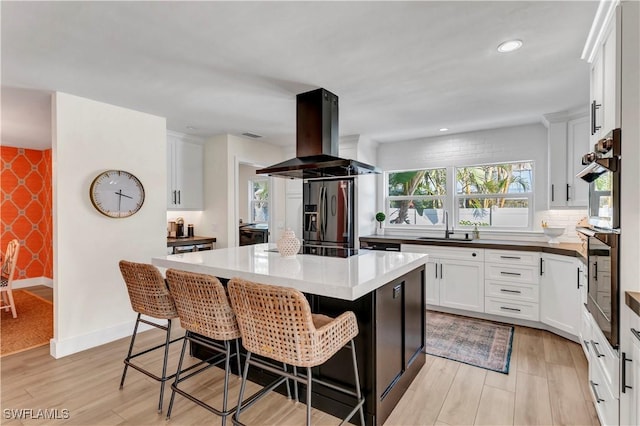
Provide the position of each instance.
(602, 301)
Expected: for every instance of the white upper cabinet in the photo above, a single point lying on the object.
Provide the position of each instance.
(568, 138)
(185, 174)
(605, 81)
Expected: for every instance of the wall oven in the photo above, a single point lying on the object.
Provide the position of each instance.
(603, 298)
(602, 171)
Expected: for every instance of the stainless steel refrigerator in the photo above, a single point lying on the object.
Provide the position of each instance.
(328, 223)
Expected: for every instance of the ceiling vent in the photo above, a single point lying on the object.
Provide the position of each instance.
(251, 135)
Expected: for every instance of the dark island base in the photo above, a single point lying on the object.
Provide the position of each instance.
(389, 347)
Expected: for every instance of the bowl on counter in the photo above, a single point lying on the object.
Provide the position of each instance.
(553, 233)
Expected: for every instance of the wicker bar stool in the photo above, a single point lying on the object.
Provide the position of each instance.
(207, 317)
(149, 296)
(277, 323)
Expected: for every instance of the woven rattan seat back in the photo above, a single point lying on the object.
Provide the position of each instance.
(203, 305)
(148, 291)
(277, 322)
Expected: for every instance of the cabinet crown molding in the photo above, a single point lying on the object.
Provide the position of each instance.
(564, 116)
(604, 15)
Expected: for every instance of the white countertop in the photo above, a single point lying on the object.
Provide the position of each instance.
(342, 278)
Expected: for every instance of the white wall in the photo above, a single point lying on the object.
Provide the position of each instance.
(90, 299)
(245, 174)
(223, 155)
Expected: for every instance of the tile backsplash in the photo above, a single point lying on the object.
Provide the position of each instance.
(561, 218)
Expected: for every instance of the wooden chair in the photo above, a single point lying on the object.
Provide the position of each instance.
(277, 323)
(6, 277)
(209, 321)
(149, 296)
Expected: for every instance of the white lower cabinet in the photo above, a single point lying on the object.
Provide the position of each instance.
(604, 367)
(560, 292)
(454, 276)
(630, 371)
(511, 284)
(462, 284)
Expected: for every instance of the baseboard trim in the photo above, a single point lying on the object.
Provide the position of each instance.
(69, 346)
(30, 282)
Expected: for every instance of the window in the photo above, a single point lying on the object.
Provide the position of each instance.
(417, 197)
(259, 200)
(496, 195)
(490, 195)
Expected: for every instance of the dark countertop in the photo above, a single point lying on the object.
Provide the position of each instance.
(566, 249)
(188, 241)
(632, 299)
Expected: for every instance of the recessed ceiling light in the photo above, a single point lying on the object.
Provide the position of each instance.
(509, 46)
(191, 128)
(444, 129)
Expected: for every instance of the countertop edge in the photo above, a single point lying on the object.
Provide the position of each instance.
(632, 299)
(565, 249)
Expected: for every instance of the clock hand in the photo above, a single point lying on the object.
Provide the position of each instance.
(123, 195)
(119, 199)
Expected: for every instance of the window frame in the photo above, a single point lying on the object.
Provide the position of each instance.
(252, 201)
(451, 199)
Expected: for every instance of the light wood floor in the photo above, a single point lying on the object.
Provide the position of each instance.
(42, 291)
(547, 384)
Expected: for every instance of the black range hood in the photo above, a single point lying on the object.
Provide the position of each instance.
(317, 142)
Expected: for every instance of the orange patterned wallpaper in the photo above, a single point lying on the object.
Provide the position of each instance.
(26, 209)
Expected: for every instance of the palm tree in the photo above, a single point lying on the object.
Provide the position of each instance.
(421, 182)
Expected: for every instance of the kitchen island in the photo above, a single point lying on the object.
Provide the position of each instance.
(384, 289)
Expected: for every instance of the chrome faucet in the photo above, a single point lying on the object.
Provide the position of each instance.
(447, 233)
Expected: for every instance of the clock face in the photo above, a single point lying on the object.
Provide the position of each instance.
(116, 193)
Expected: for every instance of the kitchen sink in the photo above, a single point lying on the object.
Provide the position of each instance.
(463, 240)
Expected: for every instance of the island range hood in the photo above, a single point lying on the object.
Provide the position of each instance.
(317, 142)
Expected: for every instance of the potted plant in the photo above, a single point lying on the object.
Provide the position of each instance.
(380, 217)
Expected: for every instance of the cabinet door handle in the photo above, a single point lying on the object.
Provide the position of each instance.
(594, 127)
(506, 308)
(397, 290)
(594, 345)
(179, 198)
(512, 274)
(175, 197)
(595, 271)
(623, 373)
(510, 257)
(636, 333)
(586, 345)
(553, 193)
(541, 262)
(578, 279)
(595, 391)
(441, 271)
(504, 290)
(436, 268)
(568, 186)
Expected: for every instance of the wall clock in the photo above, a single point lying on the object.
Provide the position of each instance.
(116, 193)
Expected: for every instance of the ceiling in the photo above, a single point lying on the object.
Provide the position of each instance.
(402, 70)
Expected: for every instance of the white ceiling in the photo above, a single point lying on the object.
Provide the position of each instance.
(402, 70)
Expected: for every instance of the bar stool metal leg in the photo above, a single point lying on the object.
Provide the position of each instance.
(164, 366)
(133, 339)
(309, 396)
(177, 376)
(357, 377)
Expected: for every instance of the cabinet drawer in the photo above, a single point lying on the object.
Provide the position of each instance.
(474, 255)
(510, 308)
(603, 354)
(504, 290)
(515, 274)
(507, 257)
(605, 402)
